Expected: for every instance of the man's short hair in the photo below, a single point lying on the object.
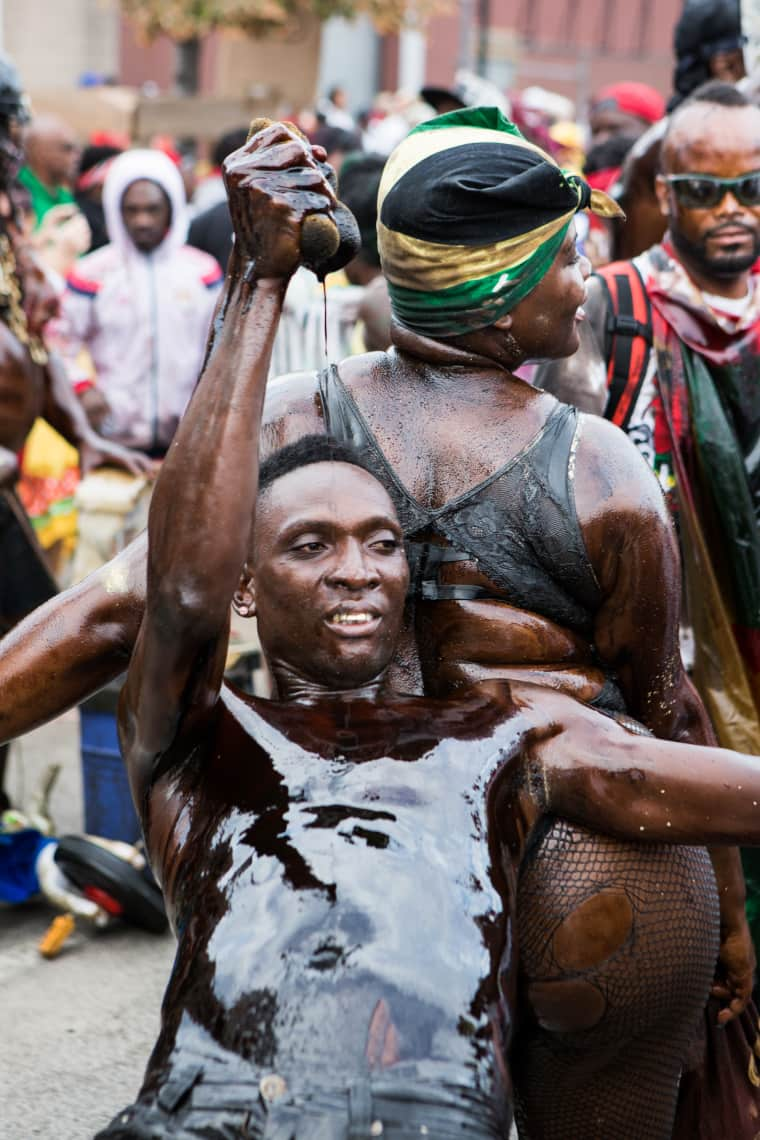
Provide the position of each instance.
(336, 138)
(310, 449)
(232, 140)
(92, 155)
(714, 93)
(608, 154)
(719, 93)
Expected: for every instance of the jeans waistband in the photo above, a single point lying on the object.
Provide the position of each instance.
(192, 1103)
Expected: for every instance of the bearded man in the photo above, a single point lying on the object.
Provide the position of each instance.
(692, 403)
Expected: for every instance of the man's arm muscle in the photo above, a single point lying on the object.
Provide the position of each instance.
(198, 533)
(71, 646)
(596, 773)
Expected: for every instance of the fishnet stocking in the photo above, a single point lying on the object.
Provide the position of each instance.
(618, 1079)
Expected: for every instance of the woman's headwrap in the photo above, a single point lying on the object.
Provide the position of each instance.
(470, 218)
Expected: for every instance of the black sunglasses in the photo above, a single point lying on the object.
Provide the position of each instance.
(704, 191)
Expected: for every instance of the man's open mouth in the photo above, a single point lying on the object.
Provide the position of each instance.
(358, 621)
(351, 619)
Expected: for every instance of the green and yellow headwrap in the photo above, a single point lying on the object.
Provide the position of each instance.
(470, 218)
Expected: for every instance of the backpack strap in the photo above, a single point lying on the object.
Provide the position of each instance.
(628, 338)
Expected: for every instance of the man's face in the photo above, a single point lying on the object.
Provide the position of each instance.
(545, 323)
(146, 212)
(329, 574)
(55, 153)
(719, 241)
(606, 121)
(727, 66)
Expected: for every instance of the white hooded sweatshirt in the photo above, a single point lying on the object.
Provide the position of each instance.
(143, 317)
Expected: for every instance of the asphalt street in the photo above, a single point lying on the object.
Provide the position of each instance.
(76, 1030)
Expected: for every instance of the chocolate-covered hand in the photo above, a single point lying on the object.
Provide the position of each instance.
(274, 184)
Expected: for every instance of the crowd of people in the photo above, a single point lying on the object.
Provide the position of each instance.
(116, 232)
(458, 399)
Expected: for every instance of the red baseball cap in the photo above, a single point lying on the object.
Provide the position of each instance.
(632, 99)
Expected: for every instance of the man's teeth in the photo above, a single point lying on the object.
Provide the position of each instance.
(350, 618)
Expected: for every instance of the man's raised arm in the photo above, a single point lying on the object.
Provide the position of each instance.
(202, 510)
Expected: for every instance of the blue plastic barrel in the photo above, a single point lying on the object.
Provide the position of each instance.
(108, 807)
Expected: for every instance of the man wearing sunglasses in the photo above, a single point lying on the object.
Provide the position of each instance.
(671, 353)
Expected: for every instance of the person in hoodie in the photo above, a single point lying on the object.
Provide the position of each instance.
(141, 305)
